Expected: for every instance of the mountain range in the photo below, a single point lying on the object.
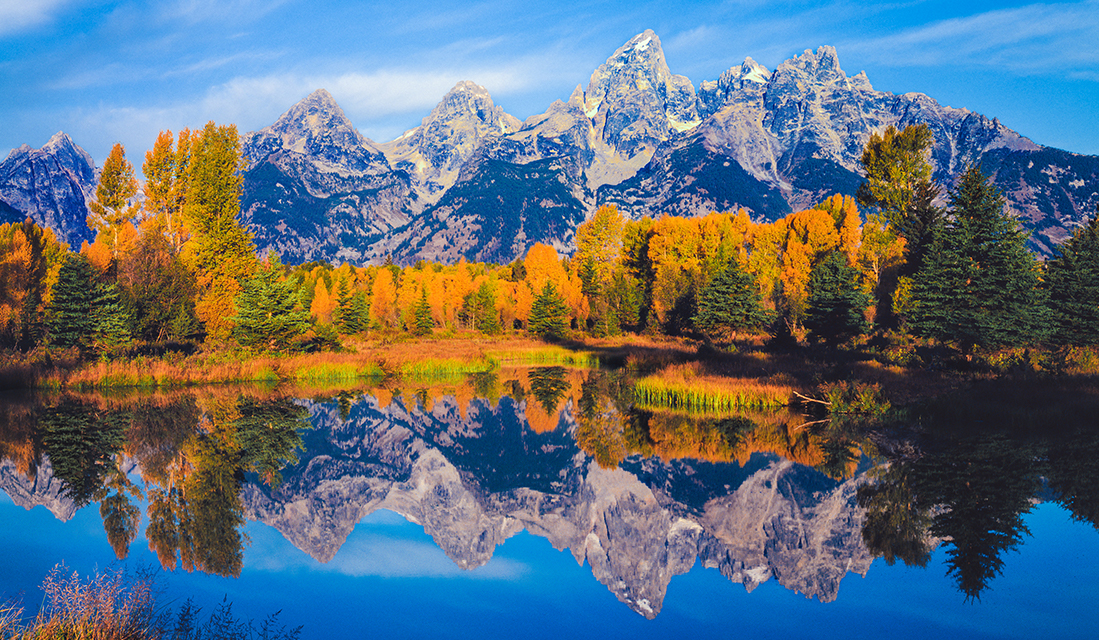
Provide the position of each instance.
(473, 181)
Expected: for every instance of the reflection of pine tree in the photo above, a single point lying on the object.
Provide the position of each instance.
(548, 385)
(896, 527)
(983, 486)
(81, 443)
(1073, 473)
(268, 435)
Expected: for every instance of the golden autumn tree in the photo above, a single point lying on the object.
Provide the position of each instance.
(220, 251)
(114, 204)
(383, 300)
(323, 303)
(165, 170)
(30, 258)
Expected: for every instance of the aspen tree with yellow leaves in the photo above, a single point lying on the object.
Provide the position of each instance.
(114, 204)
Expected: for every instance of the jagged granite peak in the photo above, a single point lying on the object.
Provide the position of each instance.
(434, 152)
(714, 94)
(317, 127)
(315, 188)
(636, 103)
(52, 186)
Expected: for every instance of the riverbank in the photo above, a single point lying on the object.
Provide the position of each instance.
(669, 372)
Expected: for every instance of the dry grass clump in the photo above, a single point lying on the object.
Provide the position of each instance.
(118, 606)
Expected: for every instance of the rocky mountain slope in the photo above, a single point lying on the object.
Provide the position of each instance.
(51, 185)
(473, 181)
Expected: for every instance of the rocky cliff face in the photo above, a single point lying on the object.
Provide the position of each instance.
(473, 481)
(316, 188)
(52, 186)
(435, 152)
(471, 181)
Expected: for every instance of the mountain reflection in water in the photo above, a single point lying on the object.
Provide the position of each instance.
(640, 496)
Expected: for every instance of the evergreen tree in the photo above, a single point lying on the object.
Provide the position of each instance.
(479, 310)
(422, 322)
(979, 284)
(1072, 282)
(730, 302)
(111, 319)
(548, 314)
(69, 319)
(836, 302)
(269, 311)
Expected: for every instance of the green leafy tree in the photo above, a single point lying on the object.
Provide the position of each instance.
(479, 310)
(269, 310)
(979, 284)
(548, 314)
(160, 290)
(898, 182)
(220, 251)
(836, 303)
(730, 302)
(1072, 283)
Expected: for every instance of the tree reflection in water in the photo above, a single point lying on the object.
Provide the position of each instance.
(989, 456)
(192, 456)
(968, 491)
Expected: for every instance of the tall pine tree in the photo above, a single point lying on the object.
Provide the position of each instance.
(1072, 282)
(548, 315)
(978, 286)
(730, 302)
(69, 319)
(269, 310)
(836, 303)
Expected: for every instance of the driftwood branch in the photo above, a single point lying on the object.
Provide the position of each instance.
(809, 424)
(808, 399)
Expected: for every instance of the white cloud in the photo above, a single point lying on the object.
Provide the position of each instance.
(196, 11)
(16, 15)
(383, 556)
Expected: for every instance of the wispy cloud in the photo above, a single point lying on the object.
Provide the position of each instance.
(377, 555)
(17, 15)
(1033, 39)
(196, 11)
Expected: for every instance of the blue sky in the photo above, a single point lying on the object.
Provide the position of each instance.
(120, 71)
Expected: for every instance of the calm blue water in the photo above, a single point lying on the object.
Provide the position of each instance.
(390, 578)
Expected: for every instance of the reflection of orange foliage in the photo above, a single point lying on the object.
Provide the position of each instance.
(542, 422)
(538, 419)
(682, 436)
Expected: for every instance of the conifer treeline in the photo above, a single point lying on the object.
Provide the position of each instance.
(181, 268)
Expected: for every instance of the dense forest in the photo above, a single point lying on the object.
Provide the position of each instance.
(175, 267)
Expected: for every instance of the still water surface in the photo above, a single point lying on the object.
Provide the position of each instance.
(537, 501)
